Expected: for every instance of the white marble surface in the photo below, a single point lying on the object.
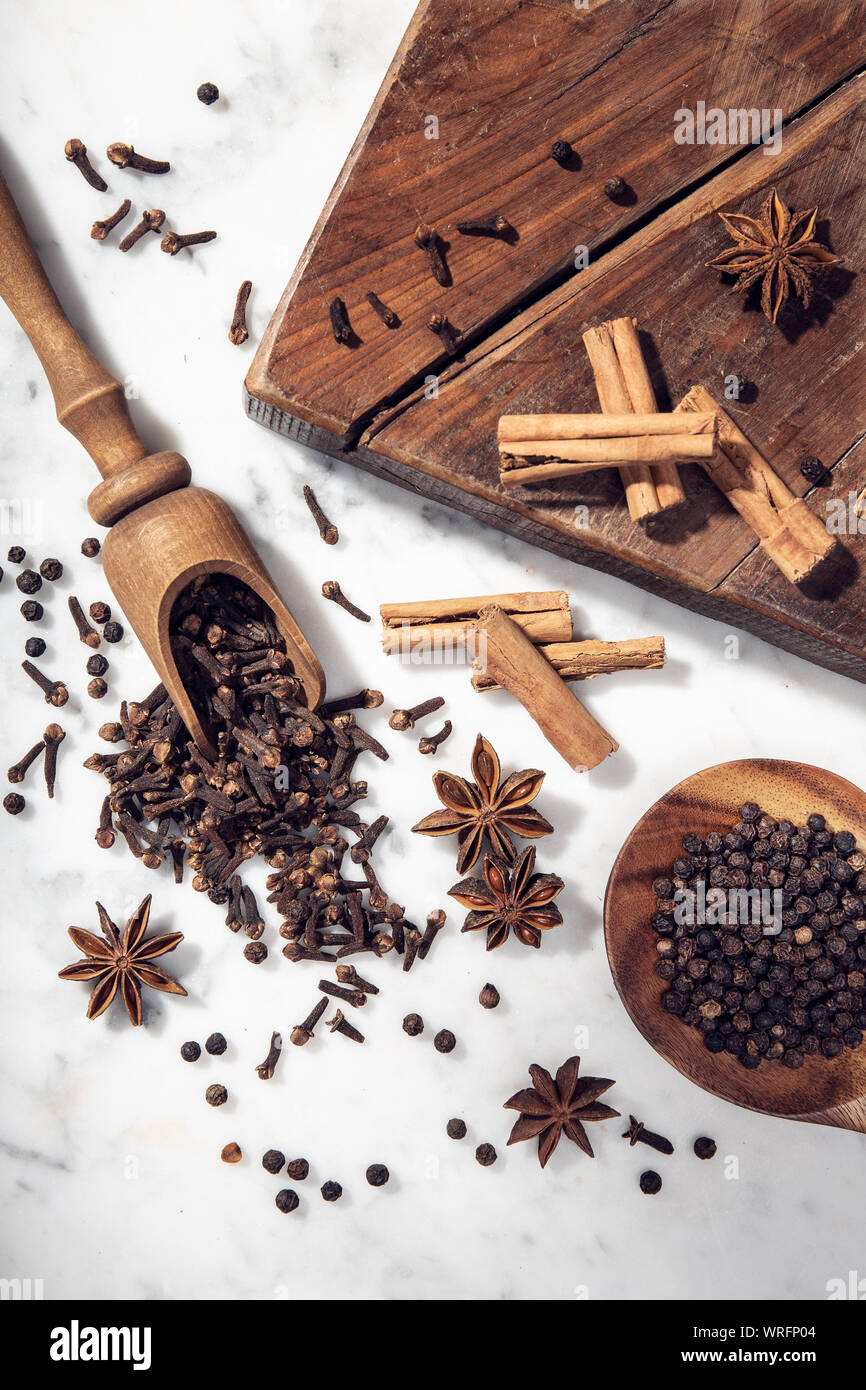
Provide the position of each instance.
(109, 1164)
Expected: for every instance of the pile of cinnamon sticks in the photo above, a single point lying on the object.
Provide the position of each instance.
(646, 445)
(521, 642)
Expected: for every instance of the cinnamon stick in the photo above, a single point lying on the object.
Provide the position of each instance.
(514, 663)
(643, 399)
(428, 624)
(517, 429)
(582, 661)
(569, 458)
(794, 538)
(614, 399)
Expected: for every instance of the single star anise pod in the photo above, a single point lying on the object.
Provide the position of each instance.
(474, 809)
(122, 961)
(551, 1107)
(503, 901)
(777, 249)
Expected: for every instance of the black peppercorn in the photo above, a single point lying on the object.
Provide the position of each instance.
(286, 1200)
(190, 1052)
(486, 1155)
(332, 1191)
(216, 1095)
(216, 1045)
(561, 151)
(14, 803)
(615, 187)
(29, 582)
(255, 952)
(456, 1129)
(298, 1169)
(704, 1147)
(16, 554)
(112, 632)
(208, 93)
(377, 1175)
(51, 569)
(96, 665)
(90, 547)
(273, 1161)
(650, 1182)
(31, 611)
(34, 646)
(100, 612)
(413, 1024)
(444, 1041)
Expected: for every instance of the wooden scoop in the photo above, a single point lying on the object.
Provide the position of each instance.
(164, 532)
(822, 1092)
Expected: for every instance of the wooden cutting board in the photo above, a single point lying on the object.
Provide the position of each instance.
(462, 127)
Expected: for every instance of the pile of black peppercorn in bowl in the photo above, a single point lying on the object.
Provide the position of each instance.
(778, 986)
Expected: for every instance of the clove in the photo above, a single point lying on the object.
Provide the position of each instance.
(86, 631)
(55, 692)
(412, 938)
(76, 152)
(365, 699)
(360, 853)
(355, 997)
(388, 316)
(638, 1134)
(18, 771)
(441, 325)
(125, 157)
(430, 744)
(327, 530)
(348, 975)
(104, 836)
(238, 332)
(340, 325)
(339, 1024)
(302, 1033)
(407, 718)
(53, 736)
(151, 221)
(99, 231)
(428, 239)
(485, 226)
(435, 923)
(266, 1069)
(172, 242)
(253, 924)
(378, 896)
(332, 591)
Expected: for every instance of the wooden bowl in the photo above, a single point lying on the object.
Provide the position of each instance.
(822, 1091)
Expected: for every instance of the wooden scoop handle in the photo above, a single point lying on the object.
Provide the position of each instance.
(90, 403)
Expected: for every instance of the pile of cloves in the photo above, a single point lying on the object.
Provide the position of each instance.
(282, 786)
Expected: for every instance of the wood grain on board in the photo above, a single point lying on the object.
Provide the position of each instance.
(504, 80)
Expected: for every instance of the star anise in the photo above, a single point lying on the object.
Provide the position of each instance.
(122, 961)
(474, 809)
(777, 249)
(503, 901)
(551, 1107)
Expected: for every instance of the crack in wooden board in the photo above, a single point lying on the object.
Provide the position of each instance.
(504, 80)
